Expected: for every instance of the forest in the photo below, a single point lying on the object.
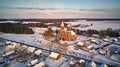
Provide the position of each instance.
(19, 28)
(16, 28)
(101, 33)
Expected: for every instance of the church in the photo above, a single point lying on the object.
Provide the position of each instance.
(67, 35)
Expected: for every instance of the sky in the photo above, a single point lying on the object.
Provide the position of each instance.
(59, 8)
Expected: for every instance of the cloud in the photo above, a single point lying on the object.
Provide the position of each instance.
(102, 9)
(72, 9)
(31, 8)
(47, 12)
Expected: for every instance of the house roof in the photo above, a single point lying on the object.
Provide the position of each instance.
(31, 49)
(80, 43)
(38, 52)
(55, 55)
(72, 62)
(34, 61)
(82, 61)
(93, 64)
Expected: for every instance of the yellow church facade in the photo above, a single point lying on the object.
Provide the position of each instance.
(67, 35)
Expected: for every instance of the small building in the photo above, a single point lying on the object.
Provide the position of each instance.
(82, 61)
(12, 46)
(33, 62)
(95, 36)
(8, 53)
(54, 56)
(82, 44)
(38, 52)
(115, 40)
(31, 49)
(103, 51)
(95, 41)
(7, 42)
(90, 47)
(72, 62)
(41, 64)
(104, 65)
(93, 64)
(106, 39)
(24, 46)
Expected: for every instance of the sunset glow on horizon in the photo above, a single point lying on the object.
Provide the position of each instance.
(59, 9)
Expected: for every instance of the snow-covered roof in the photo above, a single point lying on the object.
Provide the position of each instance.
(73, 33)
(93, 40)
(105, 65)
(82, 61)
(115, 39)
(38, 52)
(102, 51)
(89, 47)
(41, 64)
(72, 62)
(8, 42)
(31, 49)
(106, 39)
(80, 43)
(24, 46)
(93, 64)
(13, 43)
(8, 53)
(54, 55)
(95, 35)
(34, 61)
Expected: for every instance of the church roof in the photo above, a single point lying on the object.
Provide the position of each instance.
(69, 24)
(73, 33)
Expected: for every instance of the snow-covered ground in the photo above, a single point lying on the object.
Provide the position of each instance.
(38, 40)
(98, 25)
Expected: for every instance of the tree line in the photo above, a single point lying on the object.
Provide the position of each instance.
(16, 28)
(101, 33)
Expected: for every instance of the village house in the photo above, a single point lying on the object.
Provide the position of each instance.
(54, 56)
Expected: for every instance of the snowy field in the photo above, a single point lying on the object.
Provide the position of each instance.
(98, 25)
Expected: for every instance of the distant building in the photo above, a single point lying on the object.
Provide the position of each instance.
(68, 35)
